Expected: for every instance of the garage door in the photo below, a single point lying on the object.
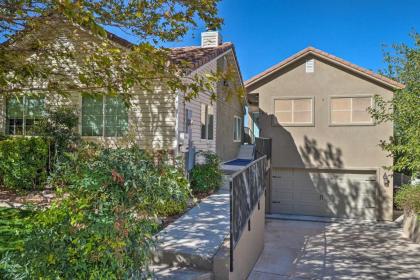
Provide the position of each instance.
(342, 194)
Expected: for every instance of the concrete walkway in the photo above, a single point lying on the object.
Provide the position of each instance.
(195, 238)
(316, 250)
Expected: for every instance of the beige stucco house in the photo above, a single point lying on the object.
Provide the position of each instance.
(326, 156)
(155, 121)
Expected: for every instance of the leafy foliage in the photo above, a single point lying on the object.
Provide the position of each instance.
(23, 162)
(408, 197)
(60, 126)
(41, 56)
(102, 225)
(207, 177)
(404, 108)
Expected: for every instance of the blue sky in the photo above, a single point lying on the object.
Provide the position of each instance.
(267, 31)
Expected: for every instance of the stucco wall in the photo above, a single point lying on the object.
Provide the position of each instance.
(411, 226)
(247, 251)
(322, 145)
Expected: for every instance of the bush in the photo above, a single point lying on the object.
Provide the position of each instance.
(23, 163)
(102, 227)
(206, 178)
(60, 126)
(408, 197)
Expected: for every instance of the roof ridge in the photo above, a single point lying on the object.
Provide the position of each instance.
(325, 55)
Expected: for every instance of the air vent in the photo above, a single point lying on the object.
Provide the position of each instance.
(310, 66)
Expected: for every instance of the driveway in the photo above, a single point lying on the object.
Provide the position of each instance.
(315, 250)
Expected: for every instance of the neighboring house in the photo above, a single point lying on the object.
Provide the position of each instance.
(326, 156)
(156, 121)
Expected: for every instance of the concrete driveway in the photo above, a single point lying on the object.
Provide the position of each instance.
(315, 250)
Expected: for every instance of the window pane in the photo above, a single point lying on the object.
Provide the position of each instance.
(361, 103)
(302, 105)
(14, 108)
(239, 122)
(210, 118)
(116, 117)
(302, 117)
(203, 120)
(284, 117)
(92, 115)
(14, 116)
(361, 117)
(284, 105)
(340, 117)
(34, 107)
(14, 126)
(340, 104)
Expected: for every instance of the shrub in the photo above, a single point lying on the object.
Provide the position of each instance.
(408, 197)
(206, 178)
(60, 126)
(102, 227)
(23, 162)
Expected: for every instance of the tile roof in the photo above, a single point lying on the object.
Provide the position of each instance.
(316, 52)
(198, 56)
(193, 56)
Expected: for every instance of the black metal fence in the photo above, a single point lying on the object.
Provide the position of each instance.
(263, 147)
(246, 188)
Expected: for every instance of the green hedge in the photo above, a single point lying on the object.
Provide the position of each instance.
(408, 197)
(206, 178)
(23, 163)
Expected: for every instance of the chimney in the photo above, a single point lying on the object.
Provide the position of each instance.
(210, 39)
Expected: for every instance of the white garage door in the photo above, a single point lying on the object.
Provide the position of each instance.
(342, 194)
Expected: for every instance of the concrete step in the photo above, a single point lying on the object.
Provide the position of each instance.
(194, 239)
(165, 272)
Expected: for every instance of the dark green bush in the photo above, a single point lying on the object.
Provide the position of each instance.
(23, 163)
(102, 226)
(60, 126)
(408, 197)
(206, 178)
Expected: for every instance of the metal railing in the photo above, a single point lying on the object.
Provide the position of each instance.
(246, 188)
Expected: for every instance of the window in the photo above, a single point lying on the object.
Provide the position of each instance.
(297, 111)
(22, 114)
(207, 122)
(237, 129)
(350, 110)
(188, 119)
(104, 116)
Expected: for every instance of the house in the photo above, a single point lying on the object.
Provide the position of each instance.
(326, 158)
(156, 121)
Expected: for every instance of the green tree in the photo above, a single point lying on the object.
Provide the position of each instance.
(30, 63)
(404, 108)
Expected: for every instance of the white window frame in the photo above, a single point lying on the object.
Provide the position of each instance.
(351, 123)
(237, 131)
(287, 124)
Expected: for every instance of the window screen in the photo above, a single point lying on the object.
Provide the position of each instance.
(350, 110)
(22, 114)
(104, 116)
(294, 111)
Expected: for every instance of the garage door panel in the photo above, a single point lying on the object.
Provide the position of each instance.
(320, 193)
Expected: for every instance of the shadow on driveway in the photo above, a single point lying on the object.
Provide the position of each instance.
(314, 250)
